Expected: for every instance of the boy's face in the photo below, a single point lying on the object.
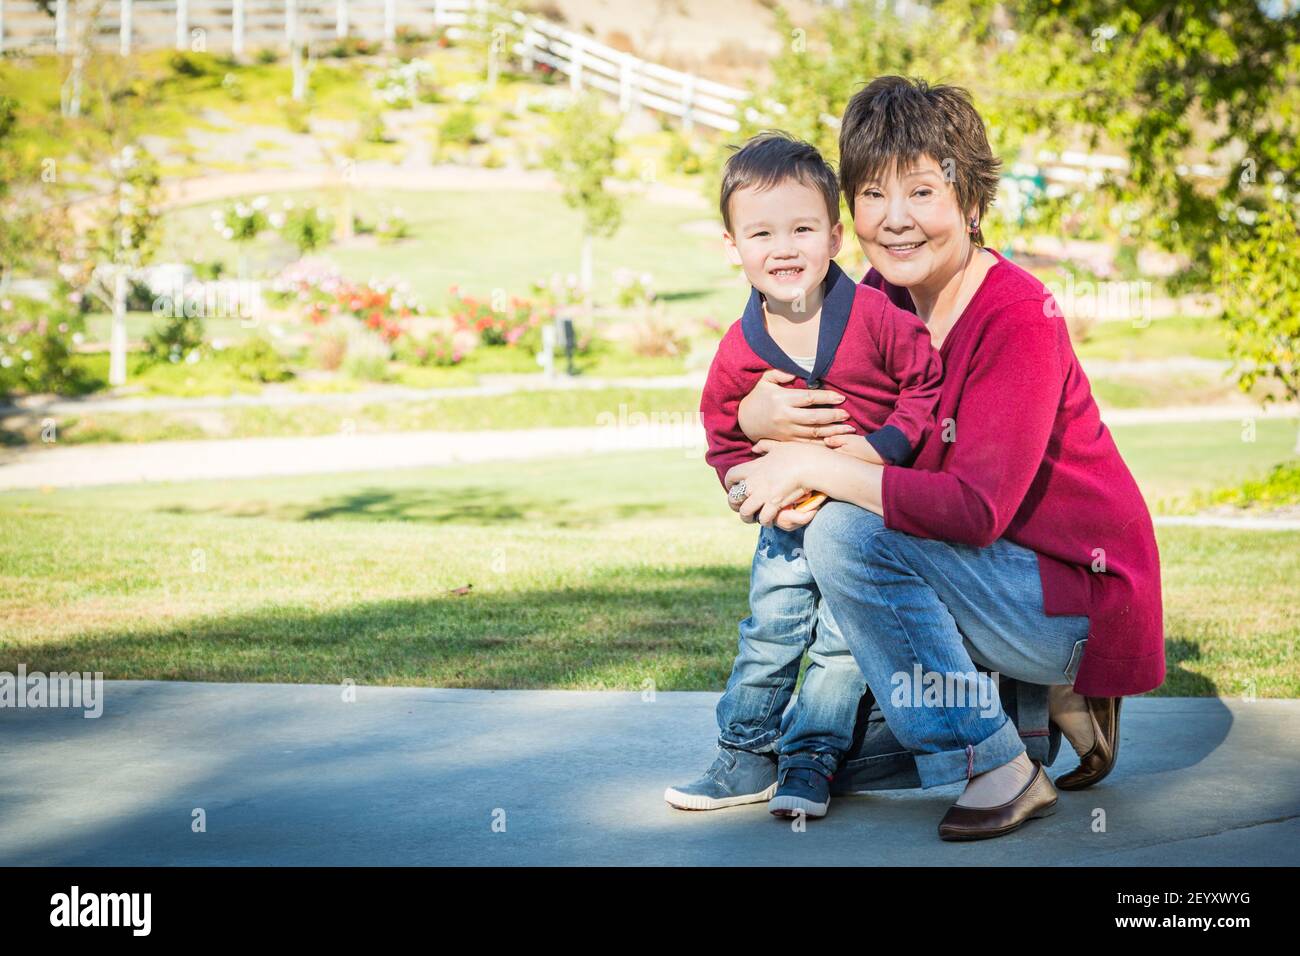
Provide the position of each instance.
(783, 238)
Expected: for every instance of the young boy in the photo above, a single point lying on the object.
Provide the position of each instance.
(781, 214)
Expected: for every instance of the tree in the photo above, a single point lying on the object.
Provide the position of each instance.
(123, 240)
(1260, 291)
(583, 155)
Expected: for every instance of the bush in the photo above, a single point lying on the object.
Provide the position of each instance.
(256, 360)
(308, 227)
(184, 63)
(656, 337)
(36, 348)
(435, 349)
(459, 128)
(173, 339)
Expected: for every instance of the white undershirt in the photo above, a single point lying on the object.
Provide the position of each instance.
(805, 362)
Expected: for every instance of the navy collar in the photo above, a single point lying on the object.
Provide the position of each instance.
(838, 291)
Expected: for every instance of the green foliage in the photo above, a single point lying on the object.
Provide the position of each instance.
(174, 339)
(308, 227)
(36, 348)
(1278, 489)
(459, 128)
(1259, 288)
(582, 157)
(256, 360)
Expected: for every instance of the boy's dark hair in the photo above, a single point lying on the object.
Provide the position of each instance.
(771, 158)
(893, 120)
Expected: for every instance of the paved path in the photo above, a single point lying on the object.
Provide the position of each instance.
(86, 465)
(281, 396)
(290, 774)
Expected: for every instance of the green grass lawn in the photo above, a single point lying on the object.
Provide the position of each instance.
(531, 235)
(598, 573)
(1176, 336)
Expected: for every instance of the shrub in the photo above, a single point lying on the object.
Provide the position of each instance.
(173, 339)
(36, 340)
(459, 128)
(656, 337)
(307, 227)
(517, 323)
(434, 349)
(256, 360)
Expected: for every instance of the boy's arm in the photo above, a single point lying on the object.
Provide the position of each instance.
(913, 362)
(728, 446)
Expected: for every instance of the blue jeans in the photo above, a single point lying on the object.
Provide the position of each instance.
(787, 617)
(919, 614)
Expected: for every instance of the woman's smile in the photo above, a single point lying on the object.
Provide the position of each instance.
(903, 250)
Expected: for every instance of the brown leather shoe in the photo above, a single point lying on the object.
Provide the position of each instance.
(1101, 756)
(1038, 799)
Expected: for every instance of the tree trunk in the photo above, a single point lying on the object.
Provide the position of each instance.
(117, 345)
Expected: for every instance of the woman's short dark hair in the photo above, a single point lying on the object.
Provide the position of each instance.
(773, 157)
(894, 120)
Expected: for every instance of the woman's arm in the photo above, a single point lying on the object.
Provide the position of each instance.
(1009, 403)
(788, 470)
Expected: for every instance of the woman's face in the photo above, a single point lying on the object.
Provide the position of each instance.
(910, 225)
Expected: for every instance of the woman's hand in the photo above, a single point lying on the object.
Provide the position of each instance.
(774, 482)
(785, 414)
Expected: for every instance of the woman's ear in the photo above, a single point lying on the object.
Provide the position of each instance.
(729, 245)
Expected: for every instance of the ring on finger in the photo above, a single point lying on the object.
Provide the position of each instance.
(738, 493)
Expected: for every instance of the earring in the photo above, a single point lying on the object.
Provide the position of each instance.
(974, 226)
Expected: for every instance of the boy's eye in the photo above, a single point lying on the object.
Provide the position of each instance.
(804, 229)
(755, 235)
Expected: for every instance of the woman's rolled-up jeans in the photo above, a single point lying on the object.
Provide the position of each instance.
(920, 614)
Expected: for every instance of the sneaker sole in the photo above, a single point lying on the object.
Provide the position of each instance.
(786, 806)
(697, 801)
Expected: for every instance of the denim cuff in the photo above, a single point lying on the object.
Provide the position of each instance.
(950, 766)
(763, 743)
(825, 762)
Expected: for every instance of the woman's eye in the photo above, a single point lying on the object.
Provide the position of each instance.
(924, 192)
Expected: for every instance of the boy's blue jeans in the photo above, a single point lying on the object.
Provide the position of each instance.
(920, 612)
(787, 617)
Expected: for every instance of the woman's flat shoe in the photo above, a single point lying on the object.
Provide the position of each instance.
(1038, 799)
(1101, 756)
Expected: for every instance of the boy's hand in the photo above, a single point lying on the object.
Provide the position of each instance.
(854, 445)
(791, 518)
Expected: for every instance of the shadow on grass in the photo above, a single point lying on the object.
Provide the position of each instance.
(677, 628)
(478, 506)
(1179, 681)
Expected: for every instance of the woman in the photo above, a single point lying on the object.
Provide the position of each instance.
(1018, 539)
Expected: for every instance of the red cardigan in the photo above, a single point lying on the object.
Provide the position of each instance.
(1019, 451)
(876, 355)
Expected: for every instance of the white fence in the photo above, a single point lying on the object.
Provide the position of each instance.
(238, 26)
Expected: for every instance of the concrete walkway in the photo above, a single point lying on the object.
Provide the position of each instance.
(78, 466)
(289, 774)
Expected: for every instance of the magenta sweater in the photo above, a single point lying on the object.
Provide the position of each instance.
(876, 355)
(1019, 451)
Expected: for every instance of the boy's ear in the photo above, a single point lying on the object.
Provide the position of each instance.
(729, 245)
(837, 238)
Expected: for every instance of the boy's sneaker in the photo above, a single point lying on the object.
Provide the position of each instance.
(802, 790)
(736, 777)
